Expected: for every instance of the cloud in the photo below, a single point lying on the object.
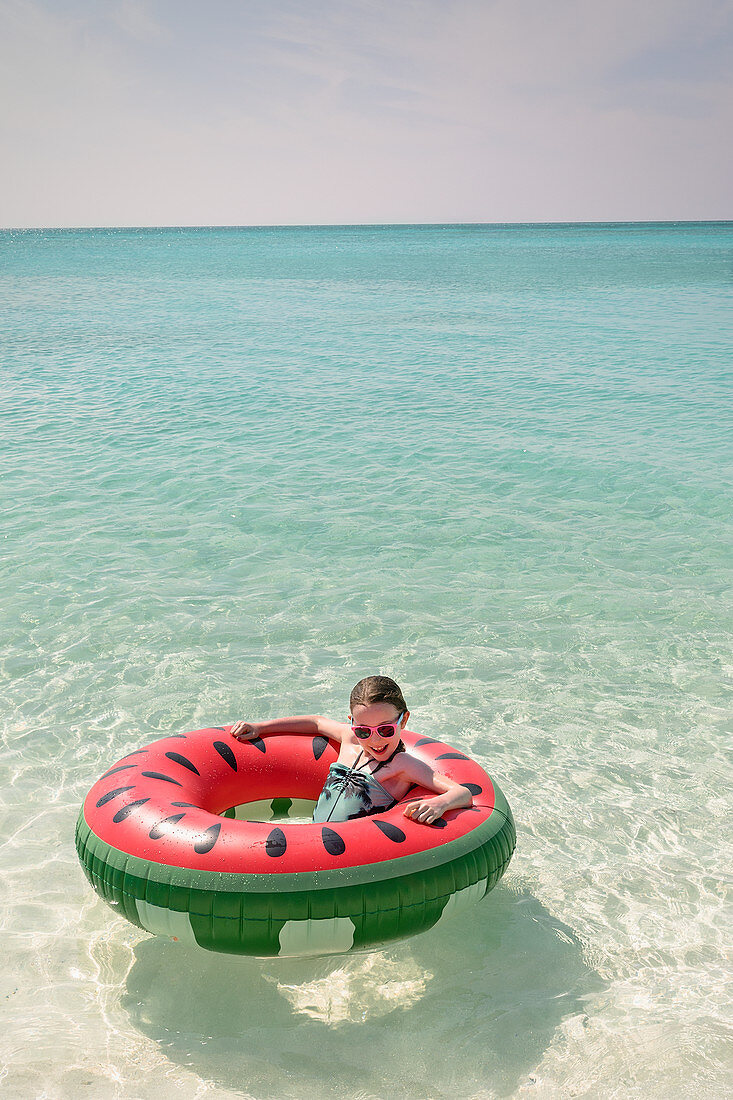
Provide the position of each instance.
(137, 20)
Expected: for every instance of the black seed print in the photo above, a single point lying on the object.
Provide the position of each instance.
(472, 787)
(208, 839)
(159, 775)
(332, 842)
(391, 831)
(125, 812)
(452, 756)
(124, 767)
(180, 736)
(320, 744)
(221, 729)
(425, 741)
(226, 753)
(137, 752)
(161, 828)
(178, 759)
(257, 742)
(187, 805)
(276, 843)
(112, 794)
(441, 823)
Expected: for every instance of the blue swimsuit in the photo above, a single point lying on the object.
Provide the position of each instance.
(351, 792)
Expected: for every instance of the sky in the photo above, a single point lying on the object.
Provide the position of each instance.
(290, 112)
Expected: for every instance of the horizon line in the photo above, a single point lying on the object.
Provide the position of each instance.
(365, 225)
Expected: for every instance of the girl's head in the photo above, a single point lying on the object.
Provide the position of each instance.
(377, 689)
(376, 702)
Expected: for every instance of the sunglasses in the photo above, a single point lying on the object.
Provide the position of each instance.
(387, 729)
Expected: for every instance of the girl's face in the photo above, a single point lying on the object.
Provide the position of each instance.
(378, 745)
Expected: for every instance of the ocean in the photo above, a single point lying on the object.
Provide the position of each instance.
(243, 468)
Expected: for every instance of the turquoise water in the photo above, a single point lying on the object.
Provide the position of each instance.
(242, 468)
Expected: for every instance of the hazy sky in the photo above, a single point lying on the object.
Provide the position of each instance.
(175, 112)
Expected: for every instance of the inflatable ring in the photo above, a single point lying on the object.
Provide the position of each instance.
(154, 844)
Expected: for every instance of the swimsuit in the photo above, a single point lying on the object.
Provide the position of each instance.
(350, 792)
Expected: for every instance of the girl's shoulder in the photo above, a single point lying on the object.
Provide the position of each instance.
(399, 760)
(403, 763)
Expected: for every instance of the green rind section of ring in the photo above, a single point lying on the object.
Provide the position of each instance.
(300, 880)
(249, 922)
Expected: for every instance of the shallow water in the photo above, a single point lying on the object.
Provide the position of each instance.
(243, 468)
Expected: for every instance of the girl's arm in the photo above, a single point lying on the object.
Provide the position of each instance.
(312, 724)
(451, 795)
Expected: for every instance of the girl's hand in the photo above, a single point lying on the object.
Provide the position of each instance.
(425, 810)
(244, 731)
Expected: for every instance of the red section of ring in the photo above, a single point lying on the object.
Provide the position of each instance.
(161, 803)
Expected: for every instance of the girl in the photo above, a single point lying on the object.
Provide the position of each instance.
(374, 770)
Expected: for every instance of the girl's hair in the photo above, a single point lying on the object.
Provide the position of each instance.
(377, 689)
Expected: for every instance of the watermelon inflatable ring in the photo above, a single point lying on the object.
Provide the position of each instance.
(193, 837)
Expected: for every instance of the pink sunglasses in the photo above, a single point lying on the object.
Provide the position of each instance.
(387, 729)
